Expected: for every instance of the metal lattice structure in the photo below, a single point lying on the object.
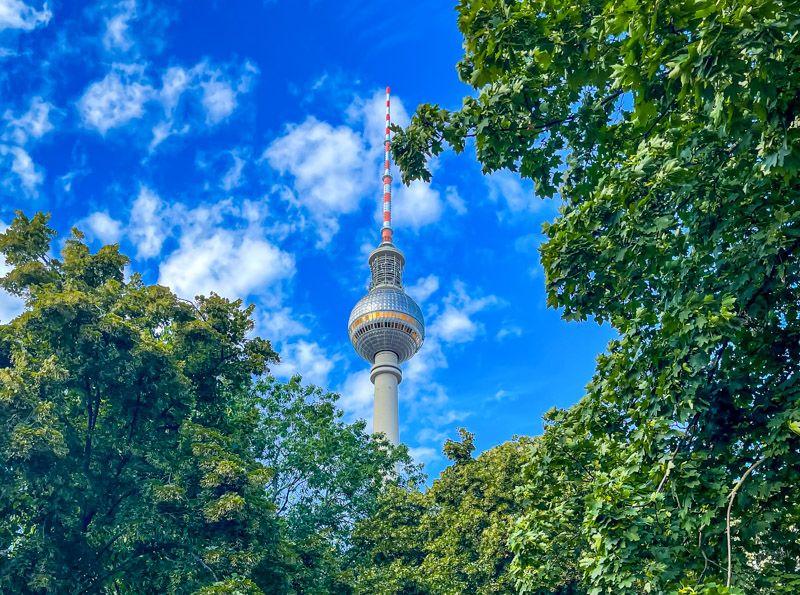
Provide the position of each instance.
(386, 319)
(387, 268)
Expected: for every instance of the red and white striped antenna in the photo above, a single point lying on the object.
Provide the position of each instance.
(386, 230)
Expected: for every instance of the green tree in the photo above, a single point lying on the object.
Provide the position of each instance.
(128, 453)
(327, 476)
(452, 539)
(671, 131)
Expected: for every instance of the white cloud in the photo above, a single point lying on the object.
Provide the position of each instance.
(219, 99)
(504, 395)
(416, 205)
(173, 83)
(454, 199)
(280, 324)
(214, 253)
(130, 28)
(104, 227)
(455, 324)
(26, 172)
(451, 416)
(253, 211)
(115, 100)
(529, 243)
(307, 359)
(424, 454)
(68, 178)
(431, 435)
(116, 36)
(161, 132)
(518, 195)
(10, 305)
(229, 262)
(220, 91)
(217, 89)
(423, 288)
(419, 370)
(23, 175)
(425, 399)
(15, 14)
(335, 168)
(326, 162)
(357, 396)
(126, 92)
(34, 123)
(370, 113)
(317, 84)
(508, 331)
(233, 177)
(148, 226)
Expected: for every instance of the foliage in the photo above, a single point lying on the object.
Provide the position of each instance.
(558, 479)
(452, 538)
(671, 131)
(327, 476)
(127, 460)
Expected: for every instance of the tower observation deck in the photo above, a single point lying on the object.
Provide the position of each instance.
(386, 326)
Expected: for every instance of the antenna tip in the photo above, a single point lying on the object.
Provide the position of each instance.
(387, 90)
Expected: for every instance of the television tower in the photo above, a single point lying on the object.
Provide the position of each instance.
(386, 326)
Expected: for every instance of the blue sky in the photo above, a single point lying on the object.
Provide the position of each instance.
(236, 147)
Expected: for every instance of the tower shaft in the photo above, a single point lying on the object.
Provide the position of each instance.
(386, 375)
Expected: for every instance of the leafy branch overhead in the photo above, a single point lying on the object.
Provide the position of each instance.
(582, 85)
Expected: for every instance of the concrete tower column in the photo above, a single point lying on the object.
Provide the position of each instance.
(386, 375)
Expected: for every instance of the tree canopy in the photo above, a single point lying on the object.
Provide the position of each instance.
(451, 539)
(327, 476)
(671, 133)
(127, 460)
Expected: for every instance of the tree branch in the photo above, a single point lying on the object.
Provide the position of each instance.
(695, 419)
(675, 452)
(659, 118)
(731, 498)
(204, 565)
(92, 411)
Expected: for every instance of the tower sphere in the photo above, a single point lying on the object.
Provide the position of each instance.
(386, 319)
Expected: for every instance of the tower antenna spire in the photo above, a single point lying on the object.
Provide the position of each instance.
(386, 230)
